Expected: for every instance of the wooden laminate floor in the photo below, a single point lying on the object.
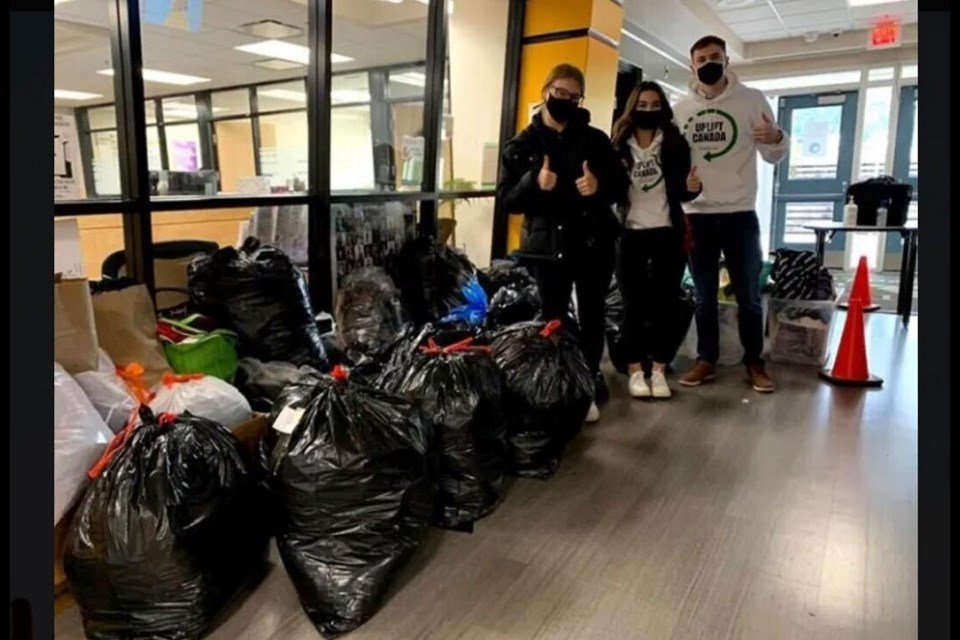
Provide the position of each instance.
(721, 514)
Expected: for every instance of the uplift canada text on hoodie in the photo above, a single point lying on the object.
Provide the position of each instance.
(720, 133)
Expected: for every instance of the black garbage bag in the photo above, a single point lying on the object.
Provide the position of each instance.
(368, 311)
(171, 530)
(548, 389)
(355, 493)
(614, 321)
(514, 296)
(432, 279)
(260, 294)
(458, 387)
(261, 383)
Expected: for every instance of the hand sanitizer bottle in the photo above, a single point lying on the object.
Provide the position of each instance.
(882, 214)
(850, 213)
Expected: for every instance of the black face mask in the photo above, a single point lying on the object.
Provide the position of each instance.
(711, 73)
(561, 110)
(647, 119)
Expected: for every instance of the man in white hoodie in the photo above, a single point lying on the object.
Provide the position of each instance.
(727, 126)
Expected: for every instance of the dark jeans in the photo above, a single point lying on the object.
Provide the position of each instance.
(737, 235)
(649, 272)
(591, 273)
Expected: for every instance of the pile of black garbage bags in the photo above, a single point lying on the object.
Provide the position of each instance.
(408, 409)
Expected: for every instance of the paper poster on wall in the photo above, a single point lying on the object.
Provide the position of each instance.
(66, 159)
(67, 250)
(176, 14)
(412, 153)
(185, 156)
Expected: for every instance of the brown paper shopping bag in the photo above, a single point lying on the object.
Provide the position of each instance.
(127, 330)
(74, 328)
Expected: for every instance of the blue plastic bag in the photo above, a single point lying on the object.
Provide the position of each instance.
(474, 310)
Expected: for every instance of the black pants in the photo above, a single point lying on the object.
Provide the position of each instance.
(650, 272)
(591, 272)
(737, 235)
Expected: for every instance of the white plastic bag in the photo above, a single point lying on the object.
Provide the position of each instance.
(108, 393)
(79, 438)
(203, 396)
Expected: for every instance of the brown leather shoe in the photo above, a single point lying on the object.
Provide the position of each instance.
(759, 380)
(700, 373)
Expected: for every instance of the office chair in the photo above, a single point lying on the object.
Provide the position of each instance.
(170, 260)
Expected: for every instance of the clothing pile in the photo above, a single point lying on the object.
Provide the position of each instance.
(802, 305)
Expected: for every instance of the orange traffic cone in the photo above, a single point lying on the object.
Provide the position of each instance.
(861, 288)
(850, 368)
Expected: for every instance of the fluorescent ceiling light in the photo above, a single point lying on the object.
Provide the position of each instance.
(62, 94)
(280, 50)
(413, 78)
(908, 71)
(284, 94)
(655, 49)
(163, 77)
(802, 82)
(871, 3)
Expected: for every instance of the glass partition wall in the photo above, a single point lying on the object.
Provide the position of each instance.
(305, 123)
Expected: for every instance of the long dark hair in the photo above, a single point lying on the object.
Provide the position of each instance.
(624, 127)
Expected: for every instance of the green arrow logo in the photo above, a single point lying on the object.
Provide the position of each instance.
(710, 156)
(653, 185)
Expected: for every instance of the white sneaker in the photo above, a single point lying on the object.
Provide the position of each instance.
(659, 386)
(593, 415)
(638, 385)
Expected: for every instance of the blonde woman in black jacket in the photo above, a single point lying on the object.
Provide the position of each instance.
(564, 177)
(656, 240)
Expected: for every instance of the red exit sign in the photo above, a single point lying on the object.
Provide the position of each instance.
(885, 34)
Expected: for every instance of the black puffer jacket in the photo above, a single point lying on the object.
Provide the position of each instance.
(561, 224)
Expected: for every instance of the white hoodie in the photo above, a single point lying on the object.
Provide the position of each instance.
(720, 133)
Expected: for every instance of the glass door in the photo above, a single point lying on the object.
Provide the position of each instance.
(811, 182)
(905, 163)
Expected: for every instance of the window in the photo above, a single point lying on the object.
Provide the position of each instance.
(212, 72)
(799, 214)
(876, 132)
(815, 142)
(87, 164)
(379, 79)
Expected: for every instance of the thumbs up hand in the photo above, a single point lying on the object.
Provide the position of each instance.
(767, 132)
(547, 179)
(693, 180)
(587, 184)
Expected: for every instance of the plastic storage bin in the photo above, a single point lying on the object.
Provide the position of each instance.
(798, 331)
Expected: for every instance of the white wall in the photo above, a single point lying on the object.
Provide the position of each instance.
(478, 33)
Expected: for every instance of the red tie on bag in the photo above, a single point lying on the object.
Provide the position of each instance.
(433, 349)
(552, 327)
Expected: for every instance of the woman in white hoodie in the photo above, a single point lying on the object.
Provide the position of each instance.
(655, 240)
